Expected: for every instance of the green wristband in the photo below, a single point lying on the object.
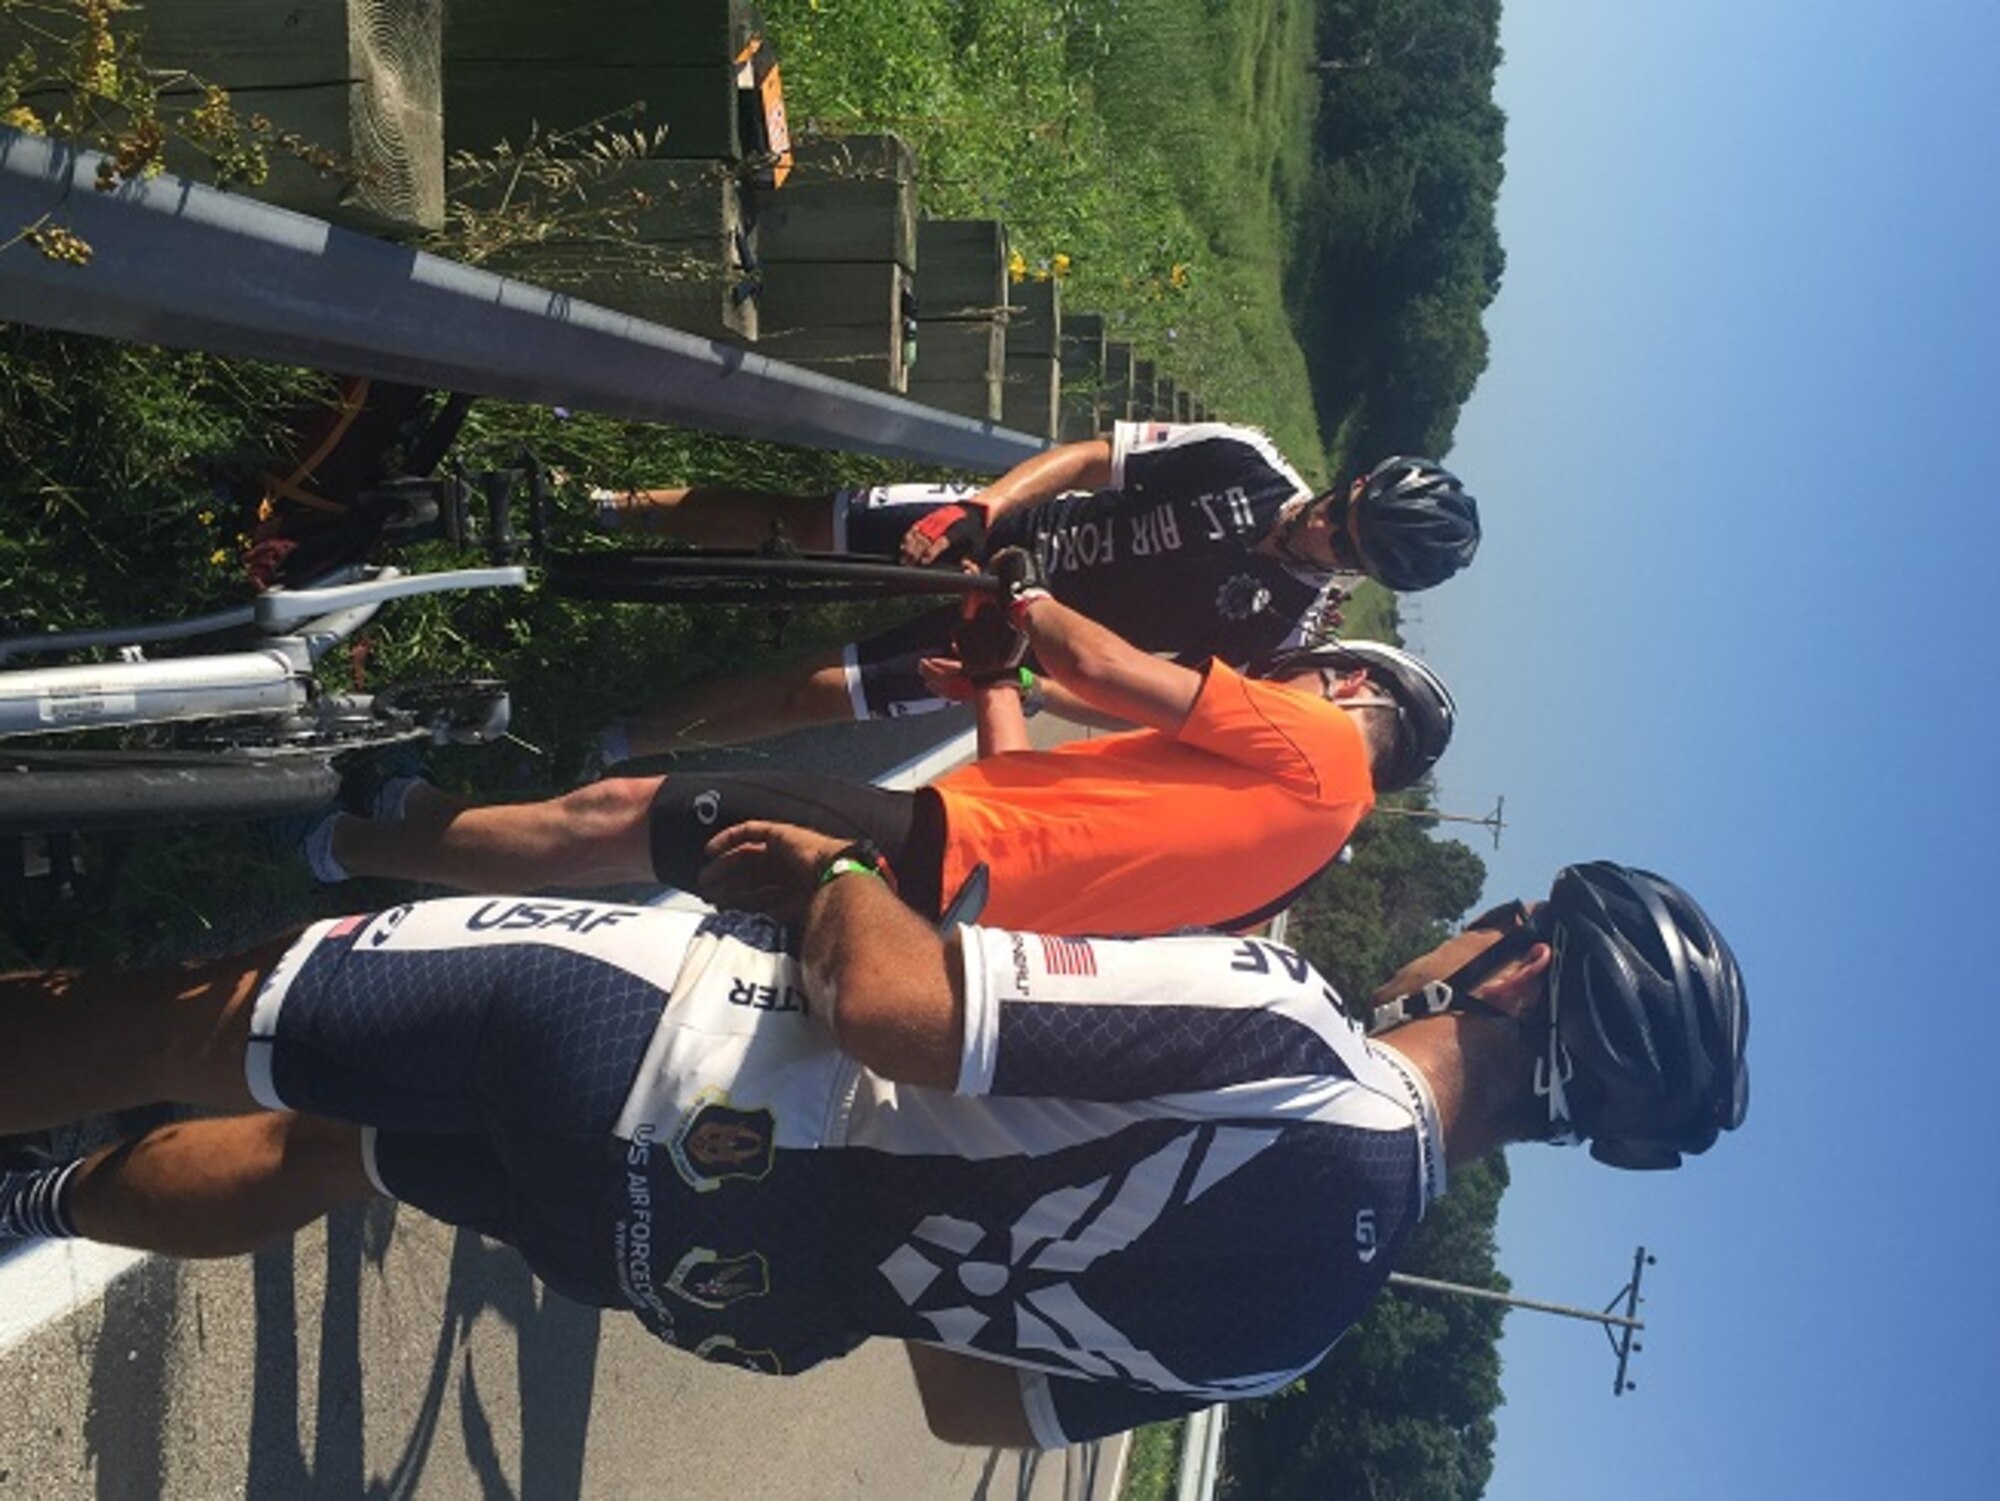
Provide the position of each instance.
(1032, 698)
(847, 865)
(863, 857)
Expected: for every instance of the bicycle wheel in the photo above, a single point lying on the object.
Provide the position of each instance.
(44, 792)
(723, 577)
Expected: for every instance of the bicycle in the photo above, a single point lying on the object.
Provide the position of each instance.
(777, 576)
(247, 733)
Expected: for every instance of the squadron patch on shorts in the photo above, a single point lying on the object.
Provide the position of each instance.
(725, 1351)
(712, 1280)
(717, 1142)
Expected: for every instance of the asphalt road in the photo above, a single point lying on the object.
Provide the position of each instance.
(384, 1355)
(388, 1356)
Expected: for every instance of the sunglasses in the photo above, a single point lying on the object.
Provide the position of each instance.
(1334, 507)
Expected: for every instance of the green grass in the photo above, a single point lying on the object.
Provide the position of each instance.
(1132, 136)
(1152, 1470)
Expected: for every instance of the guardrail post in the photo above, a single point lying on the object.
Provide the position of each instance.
(1145, 380)
(1116, 400)
(516, 66)
(1082, 363)
(356, 78)
(961, 312)
(1032, 397)
(839, 249)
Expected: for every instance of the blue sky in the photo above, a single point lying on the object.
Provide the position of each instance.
(1734, 619)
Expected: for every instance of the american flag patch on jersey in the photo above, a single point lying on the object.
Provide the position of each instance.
(1068, 956)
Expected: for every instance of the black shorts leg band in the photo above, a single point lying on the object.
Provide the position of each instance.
(691, 808)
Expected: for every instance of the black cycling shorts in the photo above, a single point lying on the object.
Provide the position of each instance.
(691, 808)
(487, 1045)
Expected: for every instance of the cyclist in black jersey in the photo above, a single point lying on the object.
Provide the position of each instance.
(1197, 541)
(1025, 1156)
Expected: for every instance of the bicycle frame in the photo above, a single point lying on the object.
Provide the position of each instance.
(271, 681)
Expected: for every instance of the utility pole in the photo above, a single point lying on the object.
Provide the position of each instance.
(1492, 822)
(1620, 1328)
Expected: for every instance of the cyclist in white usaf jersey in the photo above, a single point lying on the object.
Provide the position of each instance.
(1091, 1182)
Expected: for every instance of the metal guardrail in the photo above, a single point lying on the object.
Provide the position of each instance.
(181, 264)
(1201, 1454)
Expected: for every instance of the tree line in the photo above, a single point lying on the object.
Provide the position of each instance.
(1398, 254)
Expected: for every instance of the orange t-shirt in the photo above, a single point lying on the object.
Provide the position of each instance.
(1146, 832)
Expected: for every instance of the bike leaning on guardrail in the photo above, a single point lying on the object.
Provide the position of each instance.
(140, 740)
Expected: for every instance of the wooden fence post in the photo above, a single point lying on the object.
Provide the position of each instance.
(1031, 401)
(513, 67)
(1082, 376)
(839, 249)
(357, 79)
(1144, 378)
(961, 308)
(685, 262)
(1116, 403)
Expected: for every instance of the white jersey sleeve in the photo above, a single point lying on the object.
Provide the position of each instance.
(1128, 1019)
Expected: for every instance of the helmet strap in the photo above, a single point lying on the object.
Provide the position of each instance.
(1454, 992)
(1554, 1067)
(1538, 1032)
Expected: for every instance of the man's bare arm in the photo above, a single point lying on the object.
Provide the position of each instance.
(1001, 723)
(1069, 466)
(1105, 671)
(887, 984)
(970, 1401)
(877, 973)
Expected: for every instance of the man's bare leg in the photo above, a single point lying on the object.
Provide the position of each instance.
(218, 1187)
(79, 1043)
(598, 835)
(720, 516)
(734, 710)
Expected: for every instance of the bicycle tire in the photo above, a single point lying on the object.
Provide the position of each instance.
(721, 576)
(45, 792)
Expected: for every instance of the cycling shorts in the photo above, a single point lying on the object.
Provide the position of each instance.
(692, 807)
(634, 1098)
(489, 1044)
(882, 677)
(874, 519)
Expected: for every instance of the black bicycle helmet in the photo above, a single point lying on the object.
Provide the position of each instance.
(1425, 711)
(1640, 1048)
(1648, 1003)
(1416, 525)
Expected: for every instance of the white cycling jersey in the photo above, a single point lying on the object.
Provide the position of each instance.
(1172, 1173)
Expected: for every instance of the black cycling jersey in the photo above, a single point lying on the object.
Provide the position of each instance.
(1164, 554)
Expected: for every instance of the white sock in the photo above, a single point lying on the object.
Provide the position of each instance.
(614, 744)
(317, 847)
(392, 798)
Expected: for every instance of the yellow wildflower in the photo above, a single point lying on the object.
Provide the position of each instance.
(20, 117)
(1179, 275)
(1059, 266)
(1017, 267)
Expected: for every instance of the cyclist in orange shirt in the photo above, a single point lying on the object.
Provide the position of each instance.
(1236, 792)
